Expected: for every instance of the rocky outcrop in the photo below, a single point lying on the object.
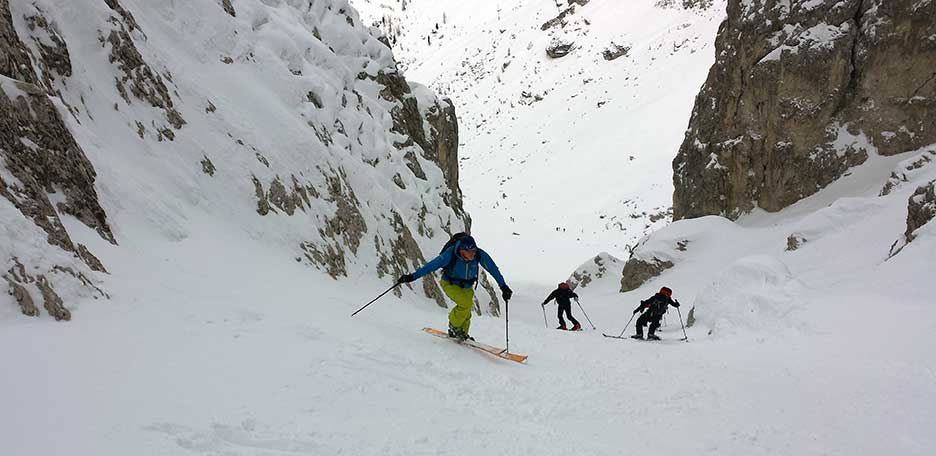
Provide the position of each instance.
(601, 266)
(492, 301)
(799, 93)
(921, 209)
(20, 282)
(443, 144)
(433, 126)
(906, 170)
(558, 49)
(228, 8)
(558, 21)
(137, 79)
(638, 271)
(685, 4)
(794, 242)
(615, 51)
(36, 147)
(43, 170)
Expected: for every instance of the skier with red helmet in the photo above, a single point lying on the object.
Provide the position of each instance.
(653, 310)
(563, 296)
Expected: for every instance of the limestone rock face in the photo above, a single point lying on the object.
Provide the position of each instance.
(798, 94)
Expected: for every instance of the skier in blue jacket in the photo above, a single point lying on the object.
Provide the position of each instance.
(459, 263)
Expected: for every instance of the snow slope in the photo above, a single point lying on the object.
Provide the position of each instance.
(210, 354)
(561, 158)
(213, 345)
(287, 137)
(244, 354)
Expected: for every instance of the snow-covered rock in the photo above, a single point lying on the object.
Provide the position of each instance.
(603, 266)
(286, 123)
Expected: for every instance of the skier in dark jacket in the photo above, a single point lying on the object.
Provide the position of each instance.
(563, 294)
(653, 310)
(459, 264)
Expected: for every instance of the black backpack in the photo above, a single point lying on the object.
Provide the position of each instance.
(659, 306)
(455, 238)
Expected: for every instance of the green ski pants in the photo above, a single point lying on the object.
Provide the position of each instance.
(460, 316)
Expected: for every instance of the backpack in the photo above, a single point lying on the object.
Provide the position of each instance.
(455, 238)
(659, 306)
(452, 241)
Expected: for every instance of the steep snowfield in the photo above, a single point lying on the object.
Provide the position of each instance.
(561, 158)
(213, 345)
(241, 353)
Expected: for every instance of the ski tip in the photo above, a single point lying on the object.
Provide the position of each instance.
(513, 357)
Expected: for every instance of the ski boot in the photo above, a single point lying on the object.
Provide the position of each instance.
(457, 333)
(653, 337)
(637, 336)
(576, 327)
(562, 327)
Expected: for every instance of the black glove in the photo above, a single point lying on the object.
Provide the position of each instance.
(675, 303)
(406, 278)
(637, 311)
(507, 292)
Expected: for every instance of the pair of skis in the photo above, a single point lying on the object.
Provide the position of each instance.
(642, 340)
(498, 352)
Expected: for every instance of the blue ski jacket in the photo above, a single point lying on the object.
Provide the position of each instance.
(459, 272)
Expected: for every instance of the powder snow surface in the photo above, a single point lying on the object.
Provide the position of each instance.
(216, 343)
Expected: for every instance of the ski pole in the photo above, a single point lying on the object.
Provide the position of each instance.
(507, 324)
(375, 299)
(545, 321)
(585, 314)
(685, 336)
(626, 325)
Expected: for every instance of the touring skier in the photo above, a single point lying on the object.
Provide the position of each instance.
(653, 310)
(563, 295)
(459, 261)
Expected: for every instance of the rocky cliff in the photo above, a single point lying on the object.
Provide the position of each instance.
(285, 120)
(800, 92)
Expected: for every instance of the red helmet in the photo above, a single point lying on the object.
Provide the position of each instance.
(666, 292)
(563, 285)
